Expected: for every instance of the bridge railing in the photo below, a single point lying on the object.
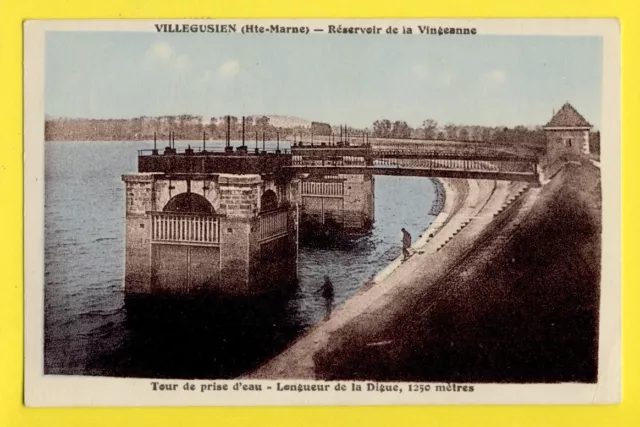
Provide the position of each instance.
(428, 150)
(273, 224)
(328, 188)
(328, 161)
(458, 164)
(184, 228)
(411, 151)
(523, 166)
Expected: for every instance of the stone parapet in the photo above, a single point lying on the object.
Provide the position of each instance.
(140, 196)
(229, 179)
(172, 256)
(239, 195)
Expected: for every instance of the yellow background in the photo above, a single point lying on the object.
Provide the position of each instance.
(12, 413)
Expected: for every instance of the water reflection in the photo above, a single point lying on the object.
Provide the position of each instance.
(205, 336)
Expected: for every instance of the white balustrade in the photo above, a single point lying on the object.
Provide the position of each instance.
(192, 229)
(273, 224)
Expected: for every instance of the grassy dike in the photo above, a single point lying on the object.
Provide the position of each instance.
(522, 307)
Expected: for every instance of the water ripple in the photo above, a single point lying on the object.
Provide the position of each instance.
(89, 329)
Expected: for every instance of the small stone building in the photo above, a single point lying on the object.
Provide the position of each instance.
(567, 134)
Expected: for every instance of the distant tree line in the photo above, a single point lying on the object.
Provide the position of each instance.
(431, 130)
(190, 127)
(185, 127)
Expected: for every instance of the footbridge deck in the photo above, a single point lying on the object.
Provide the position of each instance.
(376, 159)
(415, 160)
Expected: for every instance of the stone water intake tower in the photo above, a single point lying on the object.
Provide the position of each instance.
(204, 221)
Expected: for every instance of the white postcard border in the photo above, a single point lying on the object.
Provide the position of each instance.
(54, 390)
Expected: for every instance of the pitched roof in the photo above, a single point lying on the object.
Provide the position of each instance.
(567, 116)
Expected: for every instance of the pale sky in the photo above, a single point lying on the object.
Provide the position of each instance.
(467, 80)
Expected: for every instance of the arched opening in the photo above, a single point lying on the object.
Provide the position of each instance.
(189, 202)
(268, 201)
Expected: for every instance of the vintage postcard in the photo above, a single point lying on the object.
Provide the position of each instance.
(322, 212)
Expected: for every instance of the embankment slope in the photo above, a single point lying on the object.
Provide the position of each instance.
(521, 307)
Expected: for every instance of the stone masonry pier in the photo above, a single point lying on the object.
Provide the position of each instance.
(210, 223)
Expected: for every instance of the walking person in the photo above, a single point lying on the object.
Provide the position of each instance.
(327, 294)
(406, 244)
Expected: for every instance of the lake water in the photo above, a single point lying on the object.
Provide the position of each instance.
(89, 330)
